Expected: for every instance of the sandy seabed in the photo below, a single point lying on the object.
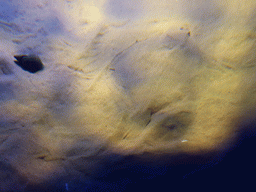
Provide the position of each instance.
(126, 84)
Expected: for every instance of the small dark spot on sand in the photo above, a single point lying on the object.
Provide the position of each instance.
(171, 127)
(31, 63)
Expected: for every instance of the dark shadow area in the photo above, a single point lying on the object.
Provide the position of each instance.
(235, 170)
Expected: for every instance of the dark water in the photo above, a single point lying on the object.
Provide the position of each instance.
(233, 171)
